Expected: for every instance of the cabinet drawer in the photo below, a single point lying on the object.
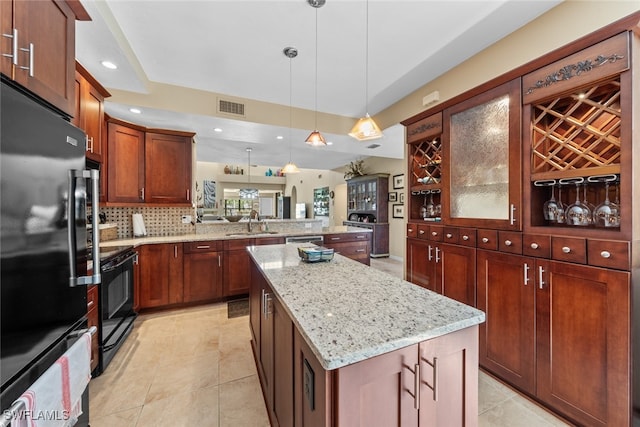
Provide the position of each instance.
(269, 240)
(423, 231)
(450, 234)
(412, 230)
(436, 233)
(467, 237)
(571, 249)
(354, 250)
(536, 245)
(236, 244)
(92, 297)
(205, 246)
(347, 237)
(608, 253)
(488, 239)
(510, 241)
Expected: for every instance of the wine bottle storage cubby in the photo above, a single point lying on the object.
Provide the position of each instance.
(577, 135)
(426, 163)
(583, 202)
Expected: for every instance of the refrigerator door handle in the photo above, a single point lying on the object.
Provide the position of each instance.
(94, 176)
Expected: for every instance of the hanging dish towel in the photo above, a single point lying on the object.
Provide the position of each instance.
(55, 399)
(138, 226)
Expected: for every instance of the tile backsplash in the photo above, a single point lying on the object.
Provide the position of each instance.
(157, 221)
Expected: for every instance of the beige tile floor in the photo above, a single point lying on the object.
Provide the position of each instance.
(194, 367)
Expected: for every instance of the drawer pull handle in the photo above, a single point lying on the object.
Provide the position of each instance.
(566, 249)
(605, 254)
(534, 245)
(335, 238)
(449, 235)
(508, 242)
(90, 303)
(421, 231)
(203, 247)
(361, 236)
(485, 240)
(360, 250)
(465, 237)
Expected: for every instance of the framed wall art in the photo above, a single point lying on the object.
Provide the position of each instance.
(398, 181)
(393, 196)
(398, 211)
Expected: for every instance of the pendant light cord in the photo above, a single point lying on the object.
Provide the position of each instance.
(290, 104)
(366, 61)
(316, 96)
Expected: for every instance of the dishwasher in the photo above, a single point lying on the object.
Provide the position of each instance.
(318, 240)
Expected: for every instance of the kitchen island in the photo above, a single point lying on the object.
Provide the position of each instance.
(340, 344)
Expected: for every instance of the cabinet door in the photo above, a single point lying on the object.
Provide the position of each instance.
(583, 329)
(456, 272)
(167, 168)
(449, 380)
(507, 337)
(420, 268)
(380, 391)
(92, 117)
(48, 28)
(266, 343)
(255, 306)
(202, 276)
(126, 164)
(6, 43)
(482, 147)
(236, 272)
(154, 276)
(282, 366)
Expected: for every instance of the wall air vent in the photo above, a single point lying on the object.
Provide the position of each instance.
(373, 146)
(230, 107)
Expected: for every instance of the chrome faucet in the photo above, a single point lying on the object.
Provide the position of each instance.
(251, 215)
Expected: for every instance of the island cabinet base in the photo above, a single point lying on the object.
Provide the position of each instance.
(385, 390)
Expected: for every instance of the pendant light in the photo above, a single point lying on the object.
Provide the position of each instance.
(290, 52)
(315, 138)
(366, 128)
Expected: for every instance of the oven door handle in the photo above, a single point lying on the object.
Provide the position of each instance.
(74, 175)
(109, 268)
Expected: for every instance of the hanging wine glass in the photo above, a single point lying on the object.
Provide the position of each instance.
(423, 208)
(617, 201)
(431, 207)
(586, 202)
(560, 217)
(550, 207)
(578, 213)
(607, 213)
(438, 205)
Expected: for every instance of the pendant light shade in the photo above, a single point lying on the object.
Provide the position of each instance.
(366, 128)
(315, 138)
(290, 52)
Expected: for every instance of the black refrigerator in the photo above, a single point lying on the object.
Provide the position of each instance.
(43, 239)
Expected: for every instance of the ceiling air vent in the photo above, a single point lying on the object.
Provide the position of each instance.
(230, 107)
(373, 146)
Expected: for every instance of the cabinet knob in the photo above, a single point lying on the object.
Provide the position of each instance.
(421, 232)
(605, 254)
(485, 240)
(534, 245)
(449, 235)
(508, 242)
(566, 249)
(434, 233)
(410, 230)
(465, 237)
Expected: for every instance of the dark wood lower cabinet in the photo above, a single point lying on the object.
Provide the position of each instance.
(559, 332)
(434, 383)
(161, 275)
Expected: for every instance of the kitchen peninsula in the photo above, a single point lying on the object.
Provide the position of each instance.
(338, 343)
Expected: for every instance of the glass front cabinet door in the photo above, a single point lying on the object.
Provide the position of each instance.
(482, 152)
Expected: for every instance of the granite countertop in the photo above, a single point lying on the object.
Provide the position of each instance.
(348, 312)
(198, 237)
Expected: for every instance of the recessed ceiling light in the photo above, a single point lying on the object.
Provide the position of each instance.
(135, 110)
(217, 130)
(108, 64)
(279, 137)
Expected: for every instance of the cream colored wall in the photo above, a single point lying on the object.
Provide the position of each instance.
(561, 25)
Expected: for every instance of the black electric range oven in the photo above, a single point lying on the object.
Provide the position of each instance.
(115, 303)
